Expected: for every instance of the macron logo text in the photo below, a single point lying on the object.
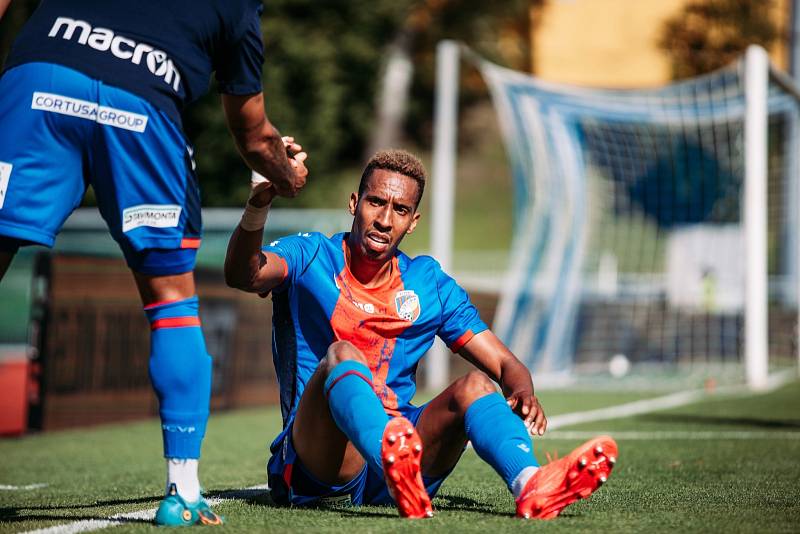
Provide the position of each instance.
(104, 40)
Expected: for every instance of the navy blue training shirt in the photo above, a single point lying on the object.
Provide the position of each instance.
(161, 50)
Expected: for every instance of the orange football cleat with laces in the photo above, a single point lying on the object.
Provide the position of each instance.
(562, 482)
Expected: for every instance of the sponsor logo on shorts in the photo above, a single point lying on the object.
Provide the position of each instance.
(105, 40)
(5, 174)
(152, 215)
(407, 304)
(84, 109)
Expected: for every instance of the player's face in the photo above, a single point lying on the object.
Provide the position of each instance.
(384, 213)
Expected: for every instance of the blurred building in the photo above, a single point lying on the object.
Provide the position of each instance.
(614, 43)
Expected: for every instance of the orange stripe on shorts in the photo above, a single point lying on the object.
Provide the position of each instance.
(190, 242)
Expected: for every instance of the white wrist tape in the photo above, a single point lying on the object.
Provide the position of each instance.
(254, 218)
(258, 183)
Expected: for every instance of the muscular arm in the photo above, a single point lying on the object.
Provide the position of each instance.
(259, 142)
(491, 356)
(247, 267)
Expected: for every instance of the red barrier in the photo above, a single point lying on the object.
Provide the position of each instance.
(13, 396)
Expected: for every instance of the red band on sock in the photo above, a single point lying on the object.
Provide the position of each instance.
(175, 322)
(356, 373)
(162, 303)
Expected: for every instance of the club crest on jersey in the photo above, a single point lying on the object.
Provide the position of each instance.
(407, 304)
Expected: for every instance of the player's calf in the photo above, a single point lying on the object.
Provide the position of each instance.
(501, 439)
(180, 370)
(355, 408)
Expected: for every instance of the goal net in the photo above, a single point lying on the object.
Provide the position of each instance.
(652, 226)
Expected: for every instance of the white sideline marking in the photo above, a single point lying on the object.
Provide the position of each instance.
(6, 487)
(88, 525)
(666, 402)
(677, 435)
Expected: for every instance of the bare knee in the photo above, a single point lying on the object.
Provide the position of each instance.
(470, 388)
(161, 288)
(341, 351)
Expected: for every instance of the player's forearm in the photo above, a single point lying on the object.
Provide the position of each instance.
(490, 355)
(515, 377)
(258, 141)
(244, 259)
(265, 153)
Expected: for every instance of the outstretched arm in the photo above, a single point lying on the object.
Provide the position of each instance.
(492, 357)
(259, 142)
(247, 267)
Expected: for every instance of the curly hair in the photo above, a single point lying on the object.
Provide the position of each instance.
(398, 161)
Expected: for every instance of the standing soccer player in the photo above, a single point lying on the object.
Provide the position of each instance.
(352, 316)
(92, 94)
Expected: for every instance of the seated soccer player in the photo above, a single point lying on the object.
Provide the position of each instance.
(352, 316)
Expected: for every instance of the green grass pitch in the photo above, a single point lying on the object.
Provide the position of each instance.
(727, 464)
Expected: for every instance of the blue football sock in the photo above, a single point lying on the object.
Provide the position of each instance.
(180, 370)
(499, 436)
(357, 410)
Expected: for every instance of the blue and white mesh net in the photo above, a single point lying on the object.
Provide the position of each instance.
(628, 217)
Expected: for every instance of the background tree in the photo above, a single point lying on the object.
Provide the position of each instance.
(428, 22)
(708, 34)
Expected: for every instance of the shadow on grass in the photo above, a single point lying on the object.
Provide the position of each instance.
(11, 515)
(94, 504)
(261, 497)
(714, 420)
(253, 496)
(373, 511)
(459, 503)
(18, 514)
(257, 497)
(442, 502)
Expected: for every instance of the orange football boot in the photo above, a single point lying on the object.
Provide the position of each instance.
(562, 482)
(401, 452)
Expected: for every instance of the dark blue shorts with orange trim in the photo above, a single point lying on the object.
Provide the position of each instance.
(291, 483)
(61, 131)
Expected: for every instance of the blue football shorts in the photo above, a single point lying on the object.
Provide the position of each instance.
(291, 484)
(61, 131)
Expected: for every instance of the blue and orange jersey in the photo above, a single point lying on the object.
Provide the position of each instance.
(394, 324)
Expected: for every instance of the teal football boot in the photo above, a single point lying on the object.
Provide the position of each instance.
(175, 512)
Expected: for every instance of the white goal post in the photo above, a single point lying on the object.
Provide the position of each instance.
(756, 88)
(755, 217)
